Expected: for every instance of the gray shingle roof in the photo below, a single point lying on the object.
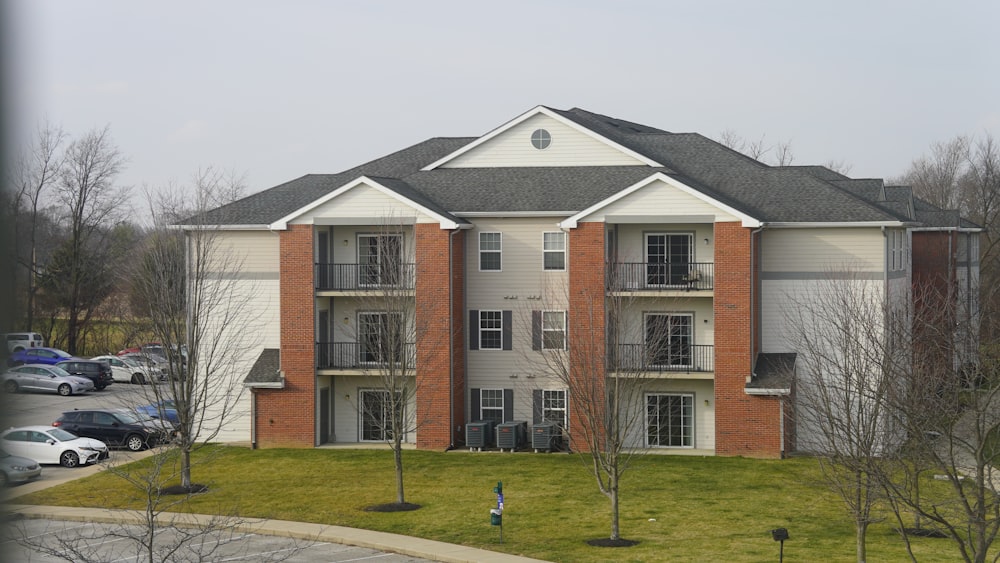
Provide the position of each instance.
(266, 369)
(770, 194)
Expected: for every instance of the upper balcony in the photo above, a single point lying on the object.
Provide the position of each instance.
(363, 358)
(361, 279)
(675, 359)
(661, 278)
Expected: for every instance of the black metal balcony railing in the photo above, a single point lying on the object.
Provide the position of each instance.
(640, 357)
(352, 355)
(364, 276)
(652, 276)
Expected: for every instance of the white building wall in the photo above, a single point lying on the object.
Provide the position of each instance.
(569, 147)
(364, 202)
(662, 199)
(346, 408)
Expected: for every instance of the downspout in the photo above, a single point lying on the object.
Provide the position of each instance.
(451, 338)
(755, 283)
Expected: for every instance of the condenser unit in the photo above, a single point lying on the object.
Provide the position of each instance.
(511, 435)
(479, 434)
(545, 436)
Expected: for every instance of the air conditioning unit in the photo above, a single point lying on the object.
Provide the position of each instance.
(511, 435)
(545, 436)
(479, 434)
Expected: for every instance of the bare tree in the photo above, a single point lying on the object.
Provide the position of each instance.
(604, 366)
(948, 407)
(845, 334)
(33, 173)
(759, 149)
(200, 309)
(936, 177)
(387, 332)
(91, 204)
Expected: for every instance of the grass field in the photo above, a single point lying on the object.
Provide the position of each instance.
(678, 508)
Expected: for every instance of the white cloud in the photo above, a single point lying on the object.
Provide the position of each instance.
(191, 130)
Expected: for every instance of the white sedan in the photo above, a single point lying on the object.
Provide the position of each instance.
(46, 444)
(128, 370)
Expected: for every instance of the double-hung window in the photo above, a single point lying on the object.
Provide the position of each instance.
(554, 250)
(670, 420)
(553, 330)
(491, 405)
(490, 330)
(554, 406)
(490, 249)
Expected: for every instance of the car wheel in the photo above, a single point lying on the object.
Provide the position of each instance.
(100, 387)
(10, 387)
(136, 379)
(134, 442)
(69, 459)
(65, 390)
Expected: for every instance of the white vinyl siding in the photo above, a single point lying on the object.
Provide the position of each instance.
(364, 202)
(658, 195)
(569, 147)
(823, 250)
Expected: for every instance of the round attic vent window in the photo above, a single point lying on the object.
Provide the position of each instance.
(540, 139)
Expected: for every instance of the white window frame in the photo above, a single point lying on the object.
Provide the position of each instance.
(553, 246)
(670, 337)
(498, 329)
(385, 403)
(484, 251)
(687, 426)
(558, 396)
(560, 329)
(380, 270)
(495, 399)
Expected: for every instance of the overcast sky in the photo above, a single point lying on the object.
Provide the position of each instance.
(275, 90)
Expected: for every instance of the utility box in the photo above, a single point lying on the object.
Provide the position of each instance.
(512, 435)
(546, 436)
(479, 434)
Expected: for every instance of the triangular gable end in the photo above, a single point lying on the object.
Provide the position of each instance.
(624, 156)
(299, 214)
(604, 207)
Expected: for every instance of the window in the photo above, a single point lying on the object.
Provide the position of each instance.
(553, 330)
(490, 248)
(375, 410)
(670, 420)
(380, 337)
(897, 250)
(668, 258)
(554, 250)
(380, 260)
(491, 405)
(554, 406)
(540, 139)
(668, 340)
(490, 330)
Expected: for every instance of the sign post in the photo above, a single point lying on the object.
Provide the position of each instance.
(496, 514)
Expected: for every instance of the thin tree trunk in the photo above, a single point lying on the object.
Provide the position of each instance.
(397, 453)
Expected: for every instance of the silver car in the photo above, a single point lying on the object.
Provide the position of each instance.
(41, 377)
(17, 469)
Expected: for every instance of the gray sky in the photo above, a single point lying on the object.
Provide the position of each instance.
(275, 90)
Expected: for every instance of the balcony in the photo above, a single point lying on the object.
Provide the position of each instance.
(359, 357)
(651, 276)
(641, 358)
(364, 277)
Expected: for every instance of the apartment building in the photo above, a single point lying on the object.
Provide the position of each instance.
(496, 254)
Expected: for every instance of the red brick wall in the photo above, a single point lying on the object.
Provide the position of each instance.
(744, 424)
(586, 321)
(439, 318)
(287, 417)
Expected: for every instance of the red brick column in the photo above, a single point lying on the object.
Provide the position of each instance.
(287, 417)
(587, 328)
(744, 424)
(440, 376)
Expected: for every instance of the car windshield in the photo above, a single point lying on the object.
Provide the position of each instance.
(61, 435)
(62, 354)
(129, 361)
(58, 371)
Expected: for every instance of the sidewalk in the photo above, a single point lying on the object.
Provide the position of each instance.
(415, 547)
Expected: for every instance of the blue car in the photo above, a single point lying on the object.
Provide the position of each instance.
(48, 356)
(164, 410)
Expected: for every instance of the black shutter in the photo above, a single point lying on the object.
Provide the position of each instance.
(508, 318)
(474, 414)
(536, 406)
(473, 329)
(536, 330)
(508, 405)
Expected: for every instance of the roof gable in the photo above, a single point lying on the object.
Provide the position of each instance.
(571, 144)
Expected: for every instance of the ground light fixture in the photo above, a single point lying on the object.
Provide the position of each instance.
(780, 535)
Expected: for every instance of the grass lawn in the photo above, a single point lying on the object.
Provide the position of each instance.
(678, 508)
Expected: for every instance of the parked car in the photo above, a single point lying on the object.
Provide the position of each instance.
(115, 427)
(46, 444)
(40, 377)
(163, 410)
(17, 469)
(38, 356)
(96, 371)
(155, 364)
(129, 370)
(17, 341)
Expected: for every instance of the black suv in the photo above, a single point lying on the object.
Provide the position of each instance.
(115, 427)
(96, 371)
